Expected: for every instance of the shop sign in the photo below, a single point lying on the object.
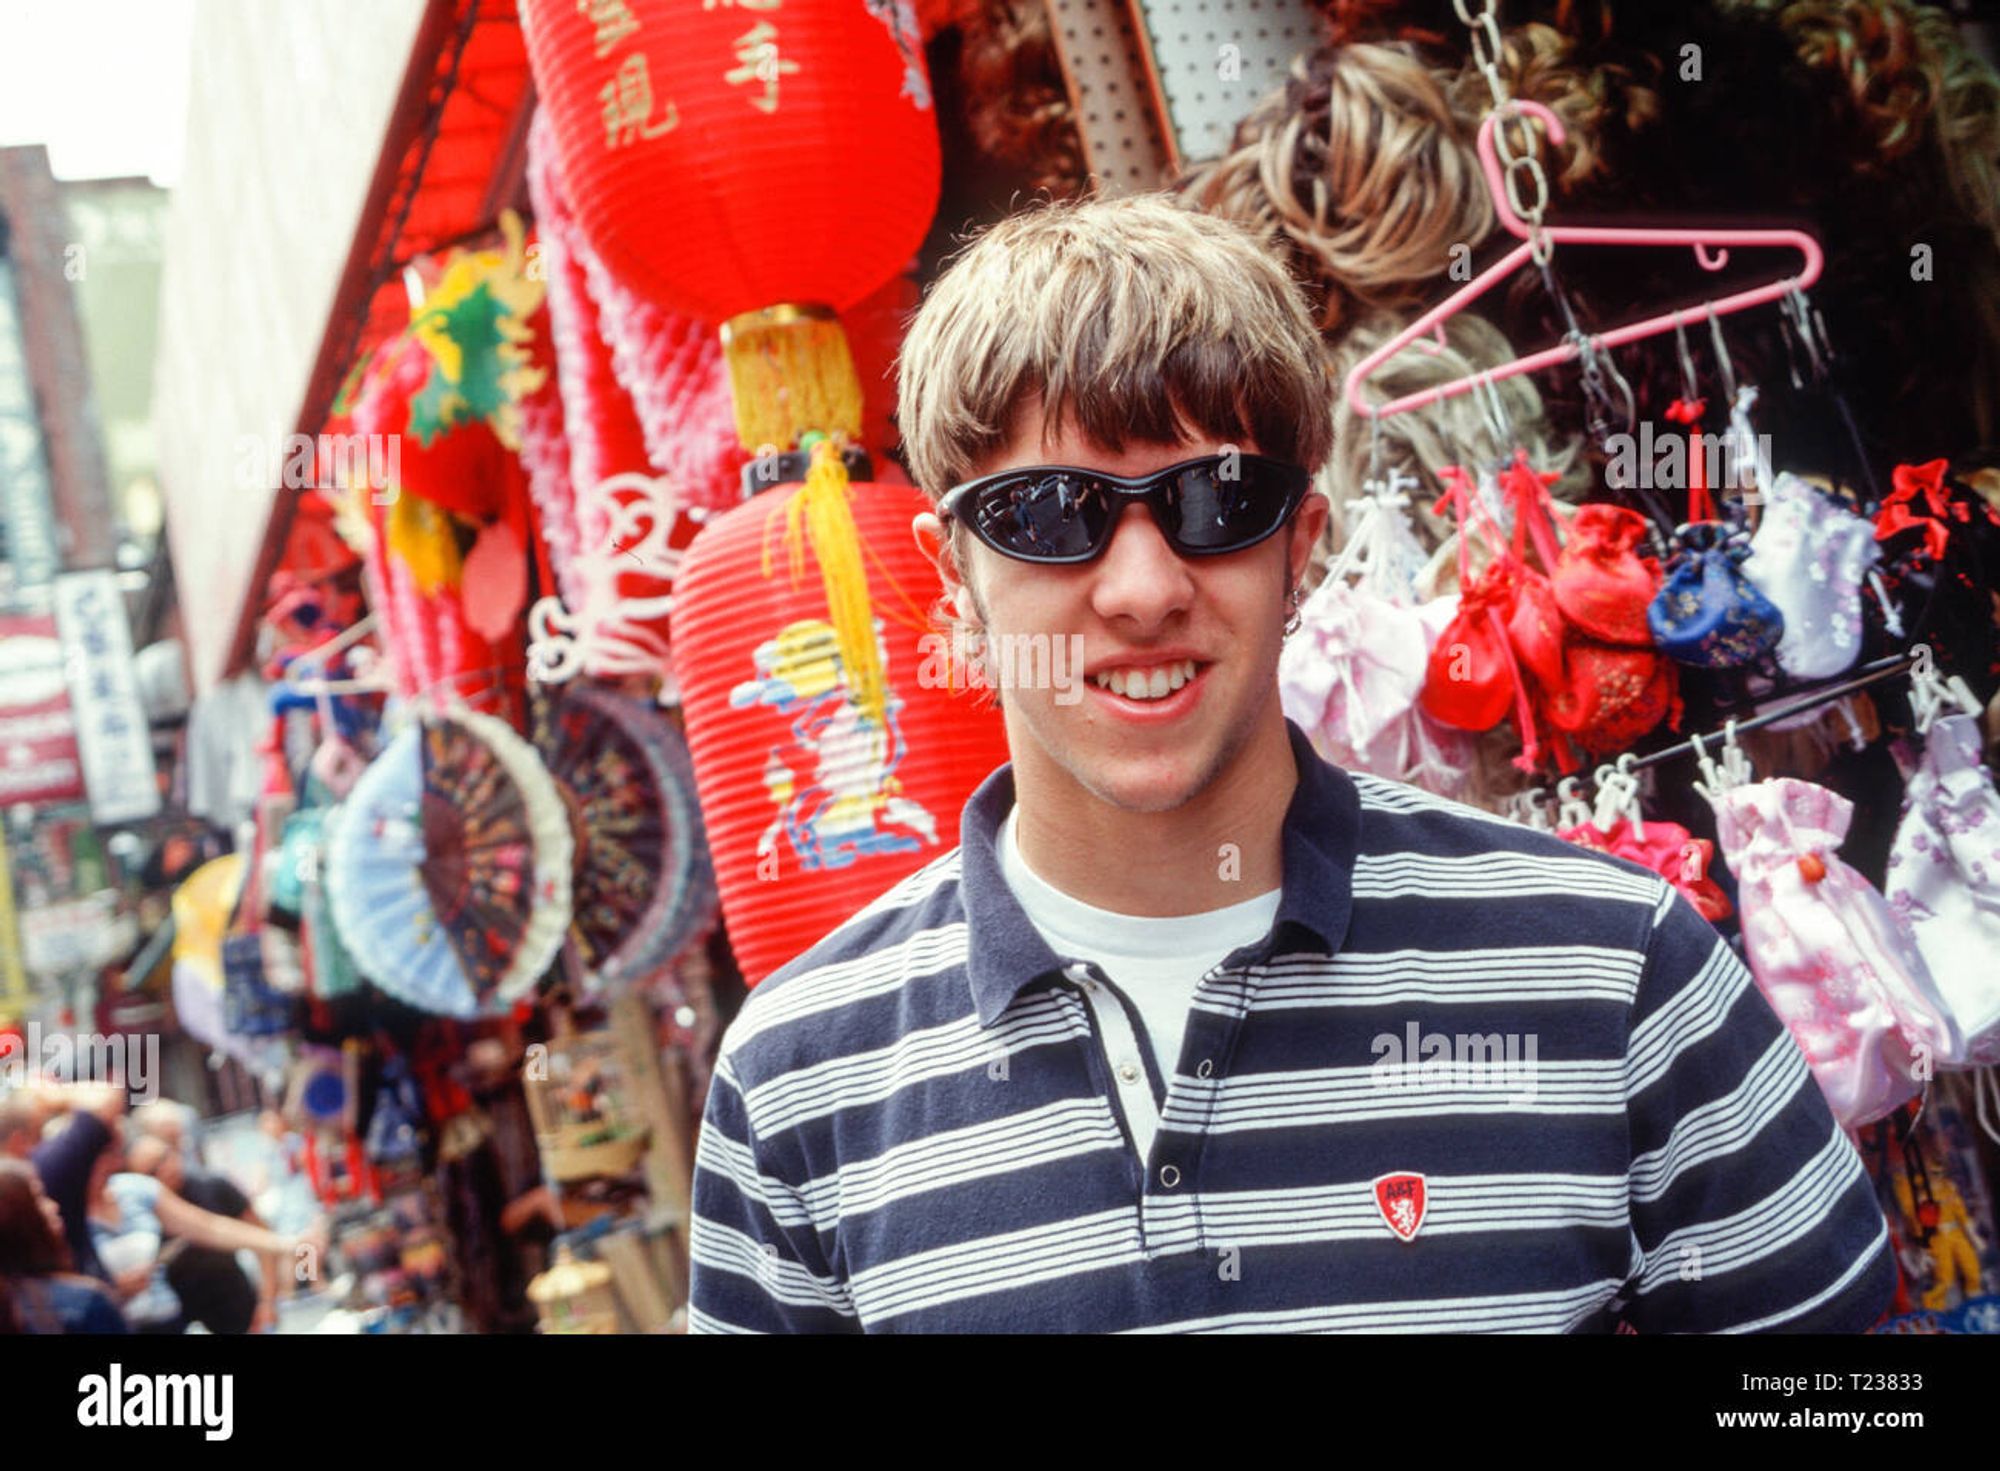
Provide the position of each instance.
(76, 934)
(39, 760)
(111, 728)
(24, 466)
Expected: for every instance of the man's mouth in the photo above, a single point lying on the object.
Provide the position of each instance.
(1151, 682)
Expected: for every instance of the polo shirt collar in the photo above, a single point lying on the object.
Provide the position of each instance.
(1006, 953)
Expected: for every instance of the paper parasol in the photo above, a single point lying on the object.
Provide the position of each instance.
(644, 886)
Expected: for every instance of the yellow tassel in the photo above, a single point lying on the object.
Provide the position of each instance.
(818, 514)
(790, 372)
(423, 536)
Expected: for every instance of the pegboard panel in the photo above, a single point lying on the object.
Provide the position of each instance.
(1203, 88)
(1111, 94)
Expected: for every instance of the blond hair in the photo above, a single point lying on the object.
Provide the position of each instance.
(1138, 319)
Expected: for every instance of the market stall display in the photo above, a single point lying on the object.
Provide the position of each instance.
(449, 871)
(644, 886)
(1612, 521)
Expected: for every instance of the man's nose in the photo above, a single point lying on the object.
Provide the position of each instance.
(1140, 576)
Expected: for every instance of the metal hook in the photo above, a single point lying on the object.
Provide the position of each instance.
(1690, 383)
(1811, 327)
(1499, 426)
(1500, 414)
(1630, 777)
(1572, 812)
(1735, 763)
(1624, 391)
(1793, 322)
(1724, 366)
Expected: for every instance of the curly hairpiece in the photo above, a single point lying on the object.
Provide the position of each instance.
(1594, 102)
(1909, 76)
(1358, 173)
(1017, 108)
(1968, 115)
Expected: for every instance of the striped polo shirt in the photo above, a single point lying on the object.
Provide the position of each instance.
(1473, 1079)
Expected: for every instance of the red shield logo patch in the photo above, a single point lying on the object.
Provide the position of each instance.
(1401, 1199)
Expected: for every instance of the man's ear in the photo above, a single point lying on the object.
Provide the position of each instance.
(1308, 526)
(933, 543)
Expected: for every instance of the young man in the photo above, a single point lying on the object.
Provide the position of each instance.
(1194, 1030)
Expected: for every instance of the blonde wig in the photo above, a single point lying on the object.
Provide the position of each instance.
(1358, 173)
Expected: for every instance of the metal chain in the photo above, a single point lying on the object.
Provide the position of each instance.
(1514, 136)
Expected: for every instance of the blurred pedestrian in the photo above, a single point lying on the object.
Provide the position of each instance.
(38, 1291)
(212, 1286)
(132, 1214)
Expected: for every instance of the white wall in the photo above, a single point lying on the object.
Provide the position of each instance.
(287, 110)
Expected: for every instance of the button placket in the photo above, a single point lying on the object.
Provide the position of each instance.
(1132, 1091)
(1217, 1052)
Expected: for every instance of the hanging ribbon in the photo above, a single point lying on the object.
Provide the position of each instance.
(1527, 494)
(1688, 412)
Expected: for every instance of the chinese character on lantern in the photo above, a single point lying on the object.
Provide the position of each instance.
(628, 105)
(613, 20)
(757, 50)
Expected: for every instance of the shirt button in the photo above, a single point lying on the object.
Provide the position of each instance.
(1169, 1176)
(1128, 1072)
(1207, 1067)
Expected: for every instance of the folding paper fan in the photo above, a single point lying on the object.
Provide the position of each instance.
(448, 869)
(498, 851)
(644, 886)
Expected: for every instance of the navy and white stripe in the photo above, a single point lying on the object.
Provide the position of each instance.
(915, 1126)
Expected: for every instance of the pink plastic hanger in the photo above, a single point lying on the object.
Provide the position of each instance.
(1711, 251)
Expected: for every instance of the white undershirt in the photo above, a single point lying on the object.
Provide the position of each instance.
(1156, 962)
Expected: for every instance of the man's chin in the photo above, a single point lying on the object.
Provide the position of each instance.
(1142, 787)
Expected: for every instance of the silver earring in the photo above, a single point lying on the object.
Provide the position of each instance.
(1297, 619)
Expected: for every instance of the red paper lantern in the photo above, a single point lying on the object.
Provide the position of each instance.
(813, 805)
(724, 159)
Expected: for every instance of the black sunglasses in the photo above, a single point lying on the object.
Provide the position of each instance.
(1205, 507)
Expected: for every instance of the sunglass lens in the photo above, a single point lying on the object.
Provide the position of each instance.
(1046, 516)
(1226, 505)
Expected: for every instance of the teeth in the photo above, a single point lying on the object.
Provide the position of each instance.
(1146, 684)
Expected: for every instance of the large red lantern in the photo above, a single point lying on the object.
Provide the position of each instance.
(723, 158)
(832, 759)
(758, 166)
